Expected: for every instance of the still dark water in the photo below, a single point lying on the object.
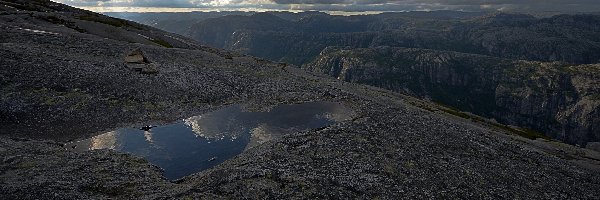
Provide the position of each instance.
(201, 142)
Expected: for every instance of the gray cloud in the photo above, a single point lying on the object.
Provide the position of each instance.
(133, 3)
(442, 2)
(357, 5)
(473, 5)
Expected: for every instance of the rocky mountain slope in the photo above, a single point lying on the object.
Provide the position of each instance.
(60, 84)
(557, 99)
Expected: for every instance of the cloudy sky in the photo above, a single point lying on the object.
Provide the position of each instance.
(337, 5)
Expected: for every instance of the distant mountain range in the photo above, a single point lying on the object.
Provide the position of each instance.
(469, 60)
(298, 40)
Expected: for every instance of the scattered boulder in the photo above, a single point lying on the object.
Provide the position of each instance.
(136, 57)
(137, 61)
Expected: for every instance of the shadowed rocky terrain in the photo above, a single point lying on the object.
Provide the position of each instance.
(64, 77)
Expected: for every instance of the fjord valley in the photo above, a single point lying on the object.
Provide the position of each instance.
(96, 107)
(535, 72)
(570, 38)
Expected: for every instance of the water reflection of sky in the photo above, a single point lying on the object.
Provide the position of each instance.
(201, 142)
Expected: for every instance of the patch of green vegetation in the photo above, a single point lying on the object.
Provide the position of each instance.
(127, 104)
(58, 20)
(196, 103)
(456, 113)
(133, 104)
(152, 105)
(282, 65)
(78, 29)
(409, 164)
(149, 105)
(390, 169)
(49, 97)
(162, 43)
(51, 101)
(359, 138)
(154, 115)
(134, 161)
(46, 96)
(422, 106)
(461, 114)
(565, 69)
(26, 165)
(524, 132)
(112, 101)
(518, 69)
(78, 105)
(55, 20)
(261, 74)
(105, 20)
(40, 90)
(34, 5)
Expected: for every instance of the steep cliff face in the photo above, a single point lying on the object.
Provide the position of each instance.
(559, 100)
